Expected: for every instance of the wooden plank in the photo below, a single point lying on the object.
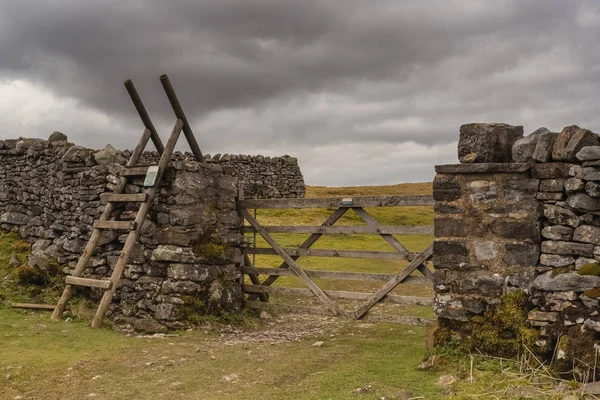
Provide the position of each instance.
(339, 294)
(97, 233)
(97, 283)
(123, 225)
(332, 219)
(288, 308)
(348, 230)
(34, 306)
(346, 276)
(335, 202)
(292, 265)
(140, 170)
(392, 283)
(123, 198)
(378, 255)
(132, 237)
(397, 319)
(392, 241)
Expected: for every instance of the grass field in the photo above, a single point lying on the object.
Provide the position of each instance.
(263, 358)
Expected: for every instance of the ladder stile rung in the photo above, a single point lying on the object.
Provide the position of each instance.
(117, 225)
(97, 283)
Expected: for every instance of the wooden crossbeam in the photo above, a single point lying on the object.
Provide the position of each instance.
(348, 230)
(395, 281)
(337, 275)
(339, 294)
(332, 219)
(335, 202)
(97, 283)
(331, 306)
(380, 255)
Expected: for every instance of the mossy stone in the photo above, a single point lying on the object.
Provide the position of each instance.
(589, 269)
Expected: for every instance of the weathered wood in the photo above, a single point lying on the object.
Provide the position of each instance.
(97, 233)
(339, 294)
(288, 308)
(397, 319)
(348, 230)
(34, 306)
(139, 106)
(132, 237)
(139, 170)
(178, 110)
(121, 225)
(254, 277)
(334, 202)
(345, 276)
(392, 283)
(380, 255)
(122, 198)
(336, 215)
(293, 266)
(97, 283)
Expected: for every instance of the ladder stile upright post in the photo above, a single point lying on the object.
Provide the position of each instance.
(145, 200)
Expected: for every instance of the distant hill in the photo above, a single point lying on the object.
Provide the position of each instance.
(400, 189)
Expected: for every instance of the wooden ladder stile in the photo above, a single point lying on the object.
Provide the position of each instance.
(145, 200)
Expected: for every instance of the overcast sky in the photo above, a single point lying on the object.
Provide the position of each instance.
(362, 92)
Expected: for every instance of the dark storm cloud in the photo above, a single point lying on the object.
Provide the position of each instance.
(302, 76)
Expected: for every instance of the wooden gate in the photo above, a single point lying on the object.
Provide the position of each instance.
(416, 271)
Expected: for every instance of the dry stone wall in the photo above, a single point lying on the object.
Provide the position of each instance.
(522, 213)
(187, 261)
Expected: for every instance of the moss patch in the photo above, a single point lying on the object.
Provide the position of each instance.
(592, 293)
(589, 269)
(501, 331)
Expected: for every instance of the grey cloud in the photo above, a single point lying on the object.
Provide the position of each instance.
(300, 75)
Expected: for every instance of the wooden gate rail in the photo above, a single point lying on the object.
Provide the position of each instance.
(289, 267)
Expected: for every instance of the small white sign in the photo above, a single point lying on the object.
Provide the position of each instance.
(151, 176)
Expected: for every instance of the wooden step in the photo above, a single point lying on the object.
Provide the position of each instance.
(123, 225)
(102, 284)
(123, 198)
(33, 306)
(139, 170)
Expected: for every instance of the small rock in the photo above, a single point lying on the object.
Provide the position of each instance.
(588, 153)
(92, 395)
(232, 378)
(68, 319)
(430, 362)
(176, 383)
(14, 262)
(96, 377)
(445, 380)
(318, 344)
(57, 136)
(265, 315)
(364, 390)
(469, 158)
(403, 395)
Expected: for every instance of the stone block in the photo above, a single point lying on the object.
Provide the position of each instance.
(491, 142)
(570, 281)
(543, 148)
(587, 234)
(149, 325)
(440, 208)
(173, 254)
(481, 283)
(189, 272)
(583, 202)
(561, 216)
(526, 230)
(550, 196)
(567, 248)
(445, 189)
(558, 232)
(522, 254)
(486, 250)
(550, 170)
(167, 312)
(588, 153)
(450, 251)
(555, 260)
(485, 168)
(593, 189)
(585, 173)
(574, 185)
(524, 148)
(570, 141)
(482, 191)
(14, 218)
(520, 189)
(181, 287)
(552, 185)
(457, 307)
